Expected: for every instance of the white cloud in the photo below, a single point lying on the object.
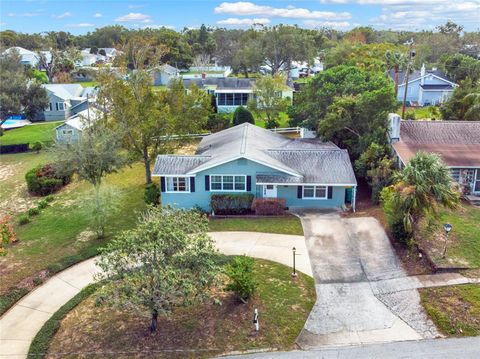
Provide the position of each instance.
(97, 14)
(82, 24)
(243, 22)
(330, 24)
(242, 8)
(24, 14)
(63, 16)
(134, 16)
(135, 6)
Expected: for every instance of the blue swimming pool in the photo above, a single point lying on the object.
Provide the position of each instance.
(12, 122)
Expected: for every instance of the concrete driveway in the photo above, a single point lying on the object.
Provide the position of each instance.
(351, 258)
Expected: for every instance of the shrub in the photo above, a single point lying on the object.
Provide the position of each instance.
(43, 180)
(269, 206)
(33, 211)
(49, 198)
(42, 204)
(242, 115)
(393, 215)
(7, 234)
(37, 146)
(242, 280)
(152, 194)
(24, 219)
(218, 121)
(231, 203)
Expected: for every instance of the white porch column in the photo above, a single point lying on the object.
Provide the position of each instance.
(354, 197)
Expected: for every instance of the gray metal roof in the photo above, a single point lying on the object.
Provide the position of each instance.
(222, 82)
(299, 160)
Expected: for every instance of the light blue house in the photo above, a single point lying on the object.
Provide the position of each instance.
(248, 159)
(425, 87)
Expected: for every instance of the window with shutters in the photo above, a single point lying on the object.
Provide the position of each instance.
(177, 184)
(315, 192)
(228, 183)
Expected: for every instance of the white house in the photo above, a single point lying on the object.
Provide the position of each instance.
(66, 100)
(162, 75)
(28, 57)
(72, 129)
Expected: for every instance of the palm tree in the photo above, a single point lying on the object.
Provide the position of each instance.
(422, 187)
(397, 61)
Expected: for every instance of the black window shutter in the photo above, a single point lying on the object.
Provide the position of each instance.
(207, 183)
(299, 191)
(192, 184)
(330, 192)
(162, 184)
(249, 183)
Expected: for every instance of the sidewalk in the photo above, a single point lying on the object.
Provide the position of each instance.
(20, 324)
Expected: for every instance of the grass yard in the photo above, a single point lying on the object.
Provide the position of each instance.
(423, 113)
(455, 310)
(198, 331)
(88, 83)
(61, 233)
(463, 247)
(282, 122)
(281, 225)
(36, 132)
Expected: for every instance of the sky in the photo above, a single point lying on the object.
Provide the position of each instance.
(79, 17)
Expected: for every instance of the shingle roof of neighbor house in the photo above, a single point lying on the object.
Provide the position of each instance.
(457, 142)
(416, 75)
(222, 82)
(299, 160)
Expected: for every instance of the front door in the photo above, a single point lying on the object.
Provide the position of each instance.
(476, 182)
(269, 191)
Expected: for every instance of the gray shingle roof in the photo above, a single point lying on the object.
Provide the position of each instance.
(416, 74)
(222, 82)
(298, 160)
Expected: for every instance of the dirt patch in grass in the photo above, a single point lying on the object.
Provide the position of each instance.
(455, 310)
(198, 331)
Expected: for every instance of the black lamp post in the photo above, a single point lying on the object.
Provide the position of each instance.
(294, 274)
(447, 227)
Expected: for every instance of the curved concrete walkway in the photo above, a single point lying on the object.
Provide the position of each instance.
(21, 323)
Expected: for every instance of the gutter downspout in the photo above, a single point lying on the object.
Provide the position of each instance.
(354, 197)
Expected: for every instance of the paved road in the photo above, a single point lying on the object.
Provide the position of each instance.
(21, 323)
(465, 348)
(351, 259)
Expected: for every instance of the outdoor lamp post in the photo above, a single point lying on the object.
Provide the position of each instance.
(294, 274)
(447, 227)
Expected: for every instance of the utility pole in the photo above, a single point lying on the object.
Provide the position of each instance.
(411, 54)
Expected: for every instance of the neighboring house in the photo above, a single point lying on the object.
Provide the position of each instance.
(110, 54)
(162, 75)
(28, 57)
(89, 59)
(66, 100)
(230, 92)
(457, 142)
(425, 87)
(72, 129)
(249, 159)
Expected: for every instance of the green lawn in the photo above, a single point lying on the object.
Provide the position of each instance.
(36, 132)
(423, 113)
(283, 121)
(88, 83)
(201, 330)
(463, 247)
(455, 310)
(61, 234)
(281, 225)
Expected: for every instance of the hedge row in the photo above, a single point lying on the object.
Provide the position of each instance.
(231, 203)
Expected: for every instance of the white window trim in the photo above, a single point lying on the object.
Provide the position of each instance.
(58, 106)
(187, 184)
(227, 190)
(315, 193)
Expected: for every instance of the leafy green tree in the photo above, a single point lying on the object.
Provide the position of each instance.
(376, 166)
(92, 157)
(17, 93)
(458, 67)
(242, 279)
(464, 105)
(419, 190)
(167, 261)
(58, 62)
(242, 115)
(268, 101)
